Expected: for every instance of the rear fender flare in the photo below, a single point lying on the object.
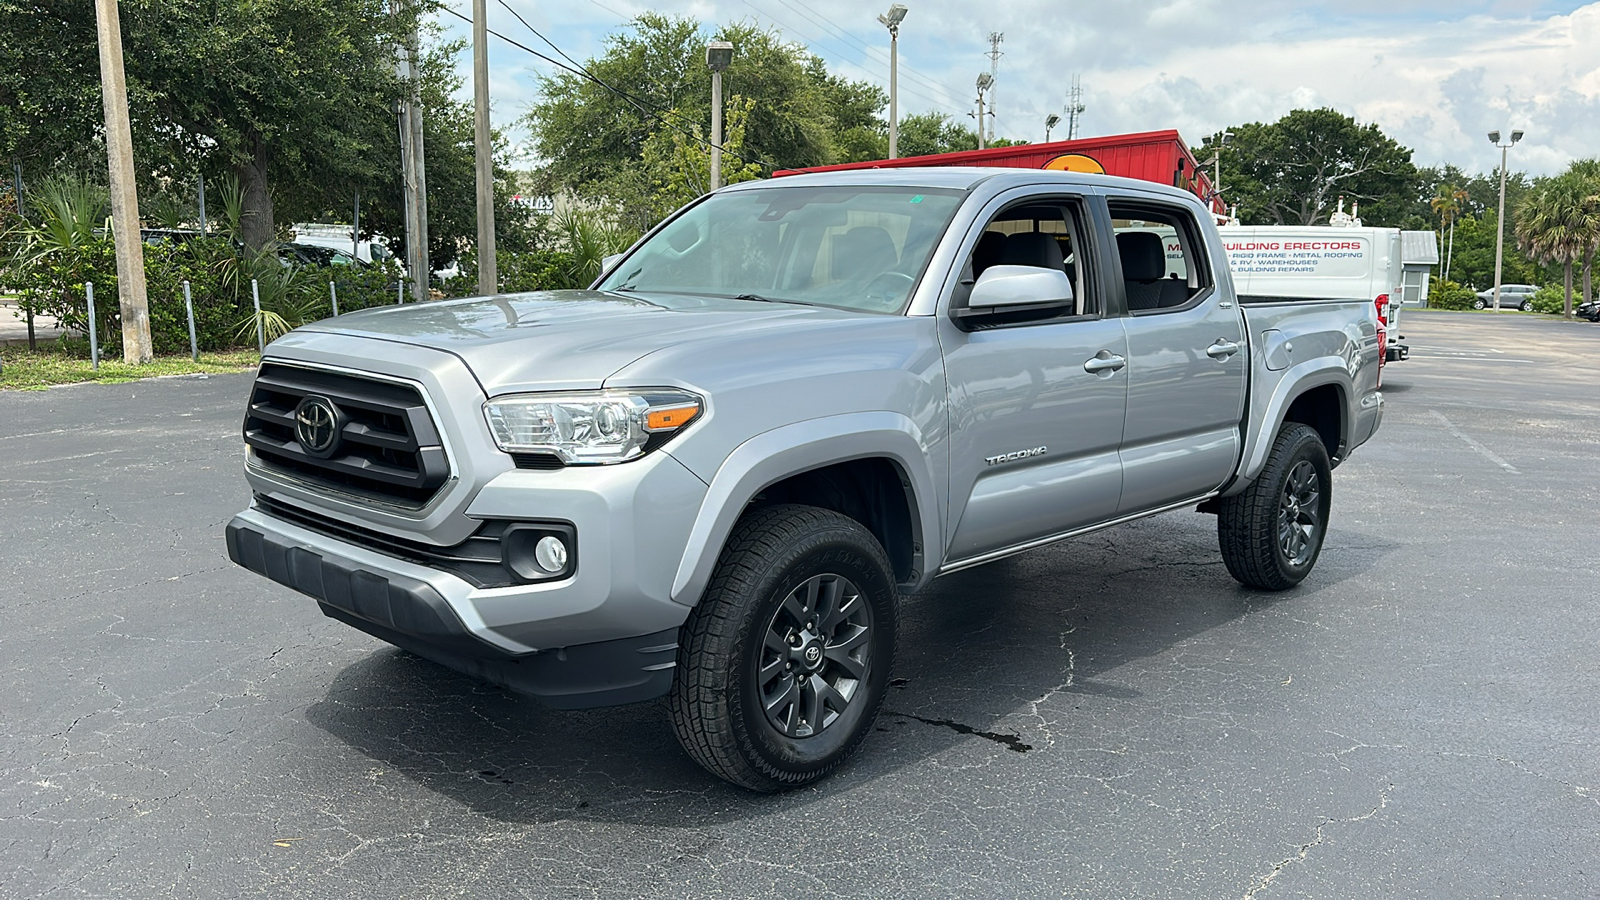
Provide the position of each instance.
(1296, 380)
(783, 452)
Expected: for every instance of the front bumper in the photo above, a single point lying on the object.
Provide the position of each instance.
(604, 635)
(413, 615)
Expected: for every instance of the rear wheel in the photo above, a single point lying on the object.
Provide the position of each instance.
(1271, 533)
(784, 663)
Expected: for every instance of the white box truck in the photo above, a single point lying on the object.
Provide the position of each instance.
(1343, 260)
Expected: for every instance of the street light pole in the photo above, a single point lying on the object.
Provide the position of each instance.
(1216, 181)
(1500, 216)
(891, 20)
(1050, 122)
(719, 54)
(985, 81)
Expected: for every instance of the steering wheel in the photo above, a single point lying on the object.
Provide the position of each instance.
(890, 288)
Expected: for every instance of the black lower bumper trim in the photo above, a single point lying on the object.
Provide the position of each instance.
(413, 616)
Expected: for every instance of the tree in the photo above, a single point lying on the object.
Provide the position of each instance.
(655, 81)
(1292, 171)
(295, 98)
(50, 109)
(1588, 171)
(1447, 203)
(1560, 223)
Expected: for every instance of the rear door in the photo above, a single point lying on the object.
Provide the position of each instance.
(1187, 357)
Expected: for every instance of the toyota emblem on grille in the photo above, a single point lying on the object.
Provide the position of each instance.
(316, 425)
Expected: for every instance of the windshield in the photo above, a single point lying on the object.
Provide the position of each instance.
(861, 248)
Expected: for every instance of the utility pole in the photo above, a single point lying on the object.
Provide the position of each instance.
(1074, 108)
(488, 274)
(124, 192)
(412, 163)
(719, 55)
(985, 81)
(994, 55)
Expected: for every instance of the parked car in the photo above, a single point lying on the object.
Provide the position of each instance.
(1589, 310)
(713, 476)
(1512, 296)
(317, 255)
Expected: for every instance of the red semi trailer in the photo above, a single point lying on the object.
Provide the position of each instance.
(1159, 156)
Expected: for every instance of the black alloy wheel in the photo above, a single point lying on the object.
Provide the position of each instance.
(816, 650)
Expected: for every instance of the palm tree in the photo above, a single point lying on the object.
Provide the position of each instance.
(1588, 170)
(1560, 223)
(1448, 204)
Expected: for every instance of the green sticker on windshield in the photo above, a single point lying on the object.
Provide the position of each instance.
(917, 199)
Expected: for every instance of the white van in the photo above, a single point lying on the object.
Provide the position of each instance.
(1386, 265)
(337, 237)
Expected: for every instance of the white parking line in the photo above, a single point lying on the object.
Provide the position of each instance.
(1487, 453)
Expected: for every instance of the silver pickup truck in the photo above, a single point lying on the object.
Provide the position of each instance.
(715, 474)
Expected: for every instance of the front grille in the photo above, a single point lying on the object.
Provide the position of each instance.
(387, 449)
(475, 560)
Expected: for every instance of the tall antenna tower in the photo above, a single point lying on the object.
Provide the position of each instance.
(1073, 108)
(994, 54)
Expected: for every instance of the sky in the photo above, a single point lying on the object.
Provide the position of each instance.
(1435, 76)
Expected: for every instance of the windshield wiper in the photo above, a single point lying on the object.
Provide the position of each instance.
(771, 299)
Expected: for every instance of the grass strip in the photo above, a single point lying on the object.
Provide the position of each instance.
(25, 370)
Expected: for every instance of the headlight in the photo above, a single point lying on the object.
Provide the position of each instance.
(591, 427)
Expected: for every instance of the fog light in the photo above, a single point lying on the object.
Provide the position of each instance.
(551, 554)
(540, 551)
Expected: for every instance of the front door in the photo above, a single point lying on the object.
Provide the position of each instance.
(1036, 406)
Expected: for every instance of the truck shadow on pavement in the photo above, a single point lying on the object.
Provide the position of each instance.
(999, 660)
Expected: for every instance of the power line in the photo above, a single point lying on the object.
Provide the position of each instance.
(813, 44)
(650, 112)
(884, 57)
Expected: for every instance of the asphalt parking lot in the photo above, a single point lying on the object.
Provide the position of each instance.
(1109, 717)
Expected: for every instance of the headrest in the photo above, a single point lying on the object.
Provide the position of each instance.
(1144, 255)
(987, 252)
(864, 251)
(1031, 248)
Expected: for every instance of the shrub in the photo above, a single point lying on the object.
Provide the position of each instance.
(1444, 294)
(534, 270)
(1551, 299)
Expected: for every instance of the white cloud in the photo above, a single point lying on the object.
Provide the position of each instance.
(1436, 76)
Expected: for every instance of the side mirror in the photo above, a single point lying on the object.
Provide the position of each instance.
(608, 263)
(1004, 288)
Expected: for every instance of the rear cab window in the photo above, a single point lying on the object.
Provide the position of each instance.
(1161, 256)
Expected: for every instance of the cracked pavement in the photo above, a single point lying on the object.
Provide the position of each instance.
(1108, 717)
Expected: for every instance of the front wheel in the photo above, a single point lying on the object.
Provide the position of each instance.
(1272, 532)
(1527, 305)
(1479, 303)
(784, 663)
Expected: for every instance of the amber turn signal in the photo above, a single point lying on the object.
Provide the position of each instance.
(671, 417)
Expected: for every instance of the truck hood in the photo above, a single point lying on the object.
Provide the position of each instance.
(568, 340)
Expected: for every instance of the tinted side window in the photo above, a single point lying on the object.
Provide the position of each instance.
(1163, 266)
(1009, 239)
